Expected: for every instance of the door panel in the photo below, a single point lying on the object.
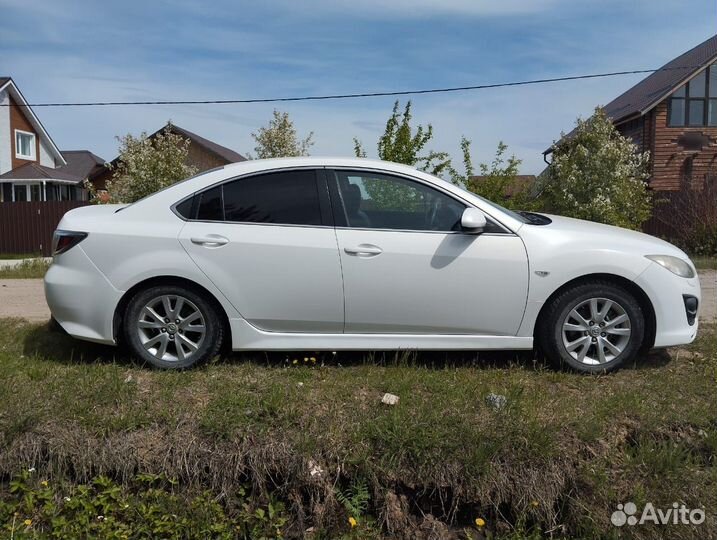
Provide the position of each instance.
(443, 283)
(267, 243)
(280, 278)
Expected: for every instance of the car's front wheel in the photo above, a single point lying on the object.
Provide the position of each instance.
(172, 327)
(592, 327)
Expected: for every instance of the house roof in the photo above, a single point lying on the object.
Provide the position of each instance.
(6, 83)
(227, 154)
(654, 88)
(222, 151)
(81, 163)
(35, 171)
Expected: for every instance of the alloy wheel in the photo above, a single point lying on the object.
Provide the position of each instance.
(171, 328)
(596, 331)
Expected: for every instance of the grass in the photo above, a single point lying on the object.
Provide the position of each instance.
(704, 262)
(563, 452)
(31, 268)
(15, 256)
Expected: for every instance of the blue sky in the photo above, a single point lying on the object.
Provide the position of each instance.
(179, 49)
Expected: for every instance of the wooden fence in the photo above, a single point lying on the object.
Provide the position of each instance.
(27, 227)
(678, 215)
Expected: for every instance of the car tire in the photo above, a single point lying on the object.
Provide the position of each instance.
(172, 327)
(592, 327)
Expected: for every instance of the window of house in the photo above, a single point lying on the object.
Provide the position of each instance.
(19, 192)
(695, 102)
(24, 144)
(35, 192)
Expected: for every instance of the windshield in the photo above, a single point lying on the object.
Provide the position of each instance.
(511, 213)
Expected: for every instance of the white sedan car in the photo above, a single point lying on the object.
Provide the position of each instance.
(346, 254)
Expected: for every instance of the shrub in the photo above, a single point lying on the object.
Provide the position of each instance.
(145, 166)
(599, 175)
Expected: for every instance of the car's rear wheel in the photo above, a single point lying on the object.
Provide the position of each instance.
(592, 327)
(172, 327)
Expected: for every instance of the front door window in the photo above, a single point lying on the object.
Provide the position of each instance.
(377, 201)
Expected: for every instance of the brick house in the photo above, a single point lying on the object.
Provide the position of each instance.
(672, 113)
(32, 168)
(203, 155)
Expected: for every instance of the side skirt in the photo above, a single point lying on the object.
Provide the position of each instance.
(246, 337)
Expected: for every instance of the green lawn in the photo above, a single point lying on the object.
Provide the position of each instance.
(563, 452)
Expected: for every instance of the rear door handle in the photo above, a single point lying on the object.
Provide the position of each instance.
(211, 240)
(364, 250)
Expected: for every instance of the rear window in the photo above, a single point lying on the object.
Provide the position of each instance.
(185, 209)
(210, 206)
(285, 197)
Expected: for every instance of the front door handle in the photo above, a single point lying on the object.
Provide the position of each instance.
(364, 250)
(211, 240)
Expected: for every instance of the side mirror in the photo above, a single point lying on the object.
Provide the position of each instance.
(473, 221)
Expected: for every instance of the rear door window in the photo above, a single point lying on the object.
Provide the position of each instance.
(285, 197)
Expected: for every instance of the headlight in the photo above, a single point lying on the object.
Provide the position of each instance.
(675, 265)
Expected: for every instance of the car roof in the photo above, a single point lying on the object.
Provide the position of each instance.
(206, 179)
(316, 161)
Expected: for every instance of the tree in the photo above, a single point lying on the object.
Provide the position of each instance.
(497, 180)
(599, 175)
(401, 145)
(279, 139)
(144, 166)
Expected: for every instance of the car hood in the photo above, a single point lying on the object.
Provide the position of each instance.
(600, 235)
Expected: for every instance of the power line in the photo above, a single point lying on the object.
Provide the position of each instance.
(350, 96)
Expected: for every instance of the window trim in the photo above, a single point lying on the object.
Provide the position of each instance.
(33, 146)
(319, 178)
(430, 185)
(686, 99)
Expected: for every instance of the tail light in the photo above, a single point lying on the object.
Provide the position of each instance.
(64, 240)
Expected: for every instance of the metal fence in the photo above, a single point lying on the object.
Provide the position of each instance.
(27, 227)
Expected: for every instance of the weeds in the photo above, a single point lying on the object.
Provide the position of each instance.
(27, 269)
(272, 439)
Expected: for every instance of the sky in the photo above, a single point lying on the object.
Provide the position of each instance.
(74, 50)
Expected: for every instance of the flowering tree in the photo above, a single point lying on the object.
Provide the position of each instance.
(144, 166)
(279, 139)
(599, 175)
